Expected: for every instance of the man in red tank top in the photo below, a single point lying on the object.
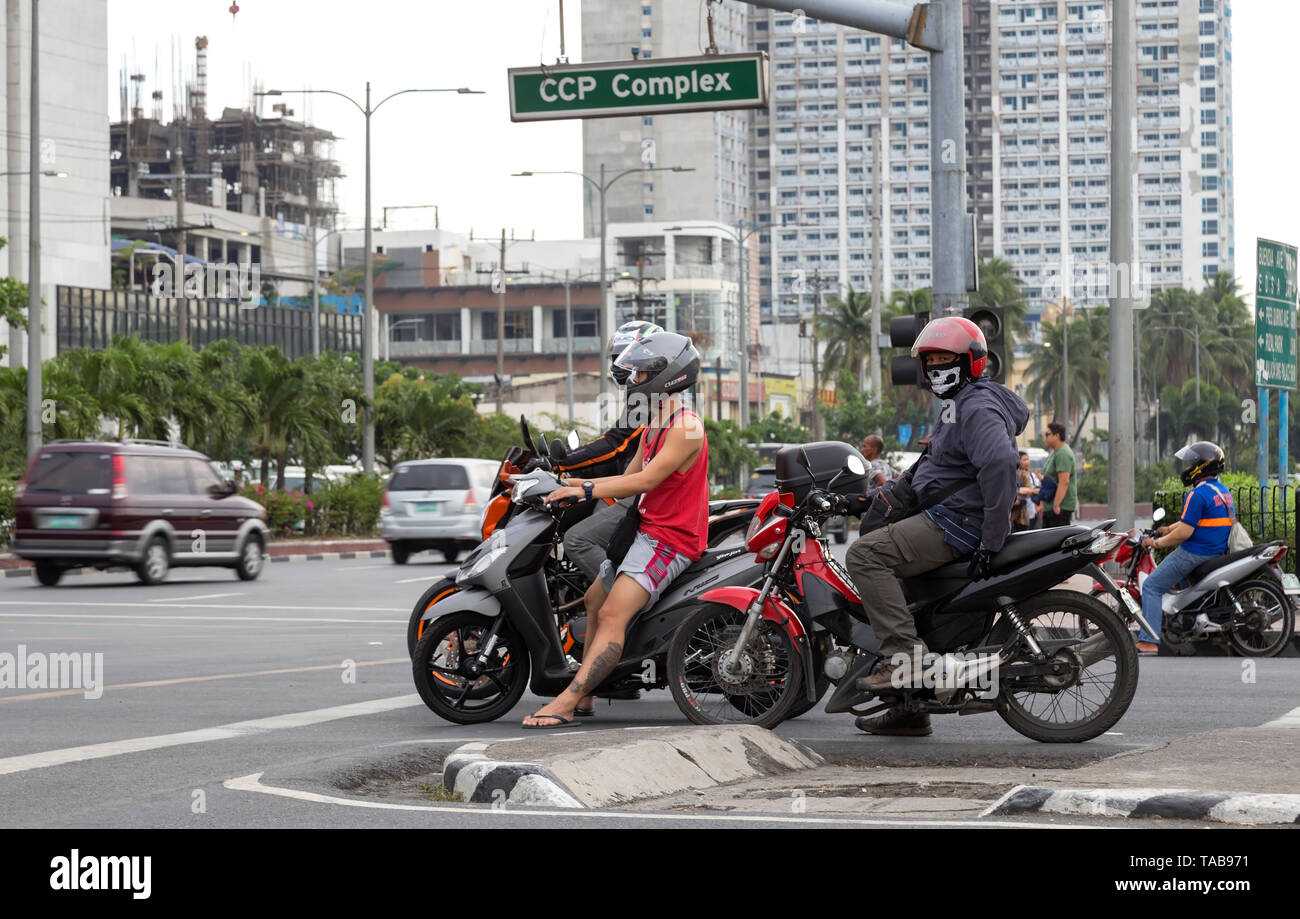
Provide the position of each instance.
(670, 471)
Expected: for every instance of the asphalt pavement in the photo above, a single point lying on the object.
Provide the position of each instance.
(274, 703)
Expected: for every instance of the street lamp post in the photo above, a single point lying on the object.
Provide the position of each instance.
(389, 326)
(602, 186)
(568, 280)
(367, 324)
(34, 388)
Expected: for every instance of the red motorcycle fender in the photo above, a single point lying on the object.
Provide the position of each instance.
(741, 598)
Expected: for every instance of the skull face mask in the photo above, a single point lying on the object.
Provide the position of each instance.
(944, 378)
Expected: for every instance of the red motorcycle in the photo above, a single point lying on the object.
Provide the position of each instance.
(1056, 665)
(1135, 563)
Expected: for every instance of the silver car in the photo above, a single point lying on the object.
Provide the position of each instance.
(436, 504)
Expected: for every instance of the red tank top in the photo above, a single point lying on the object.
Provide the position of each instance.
(676, 511)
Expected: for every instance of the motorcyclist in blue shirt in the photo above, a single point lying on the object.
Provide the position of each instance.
(1201, 532)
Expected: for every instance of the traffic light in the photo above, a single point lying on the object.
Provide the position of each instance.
(905, 370)
(992, 322)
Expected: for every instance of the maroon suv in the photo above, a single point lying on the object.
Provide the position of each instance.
(143, 504)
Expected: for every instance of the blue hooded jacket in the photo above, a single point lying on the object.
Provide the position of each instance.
(979, 443)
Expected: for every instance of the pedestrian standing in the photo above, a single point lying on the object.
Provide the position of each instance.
(1023, 511)
(1059, 507)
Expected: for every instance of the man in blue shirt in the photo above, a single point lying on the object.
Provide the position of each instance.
(1201, 531)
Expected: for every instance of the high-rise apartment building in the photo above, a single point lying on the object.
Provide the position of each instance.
(714, 144)
(1038, 142)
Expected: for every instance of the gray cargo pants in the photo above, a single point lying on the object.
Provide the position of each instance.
(586, 542)
(877, 561)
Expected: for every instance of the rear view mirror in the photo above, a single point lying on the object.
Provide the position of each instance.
(1158, 515)
(572, 440)
(803, 461)
(855, 465)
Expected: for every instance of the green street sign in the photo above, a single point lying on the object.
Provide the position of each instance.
(639, 87)
(1275, 314)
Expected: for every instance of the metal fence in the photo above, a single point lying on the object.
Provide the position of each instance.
(1267, 513)
(90, 317)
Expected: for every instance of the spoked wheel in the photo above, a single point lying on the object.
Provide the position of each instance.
(1091, 669)
(442, 669)
(1268, 623)
(761, 690)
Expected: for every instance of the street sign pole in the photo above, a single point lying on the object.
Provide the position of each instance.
(1263, 439)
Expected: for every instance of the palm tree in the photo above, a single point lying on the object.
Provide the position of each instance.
(1089, 366)
(999, 287)
(846, 329)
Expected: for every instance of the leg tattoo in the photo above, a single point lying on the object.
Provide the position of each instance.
(600, 668)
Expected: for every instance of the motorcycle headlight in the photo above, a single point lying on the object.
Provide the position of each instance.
(483, 557)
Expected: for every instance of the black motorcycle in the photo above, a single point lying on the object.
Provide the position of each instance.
(500, 630)
(1056, 665)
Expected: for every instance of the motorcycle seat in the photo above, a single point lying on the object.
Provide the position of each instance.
(710, 558)
(1218, 561)
(1018, 547)
(717, 508)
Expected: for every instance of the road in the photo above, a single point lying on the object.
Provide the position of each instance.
(210, 680)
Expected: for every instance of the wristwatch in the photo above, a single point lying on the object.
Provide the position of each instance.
(586, 489)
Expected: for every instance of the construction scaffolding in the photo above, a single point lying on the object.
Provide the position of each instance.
(273, 167)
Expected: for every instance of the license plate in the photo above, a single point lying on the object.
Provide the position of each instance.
(64, 522)
(1291, 583)
(1130, 602)
(427, 507)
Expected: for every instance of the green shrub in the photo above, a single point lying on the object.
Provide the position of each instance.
(347, 508)
(285, 510)
(6, 509)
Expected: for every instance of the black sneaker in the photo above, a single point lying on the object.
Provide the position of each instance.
(896, 723)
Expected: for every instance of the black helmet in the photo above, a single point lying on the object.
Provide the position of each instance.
(623, 336)
(1198, 461)
(670, 359)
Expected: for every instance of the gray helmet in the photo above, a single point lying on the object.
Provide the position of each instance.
(625, 335)
(670, 359)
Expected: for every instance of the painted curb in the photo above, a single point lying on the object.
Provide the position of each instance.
(1242, 808)
(487, 781)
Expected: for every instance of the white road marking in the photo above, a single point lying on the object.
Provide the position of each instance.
(199, 597)
(149, 684)
(253, 783)
(432, 577)
(1290, 720)
(316, 609)
(362, 567)
(68, 755)
(207, 618)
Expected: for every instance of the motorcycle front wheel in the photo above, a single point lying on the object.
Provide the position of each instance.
(438, 667)
(441, 590)
(767, 685)
(1100, 677)
(1268, 622)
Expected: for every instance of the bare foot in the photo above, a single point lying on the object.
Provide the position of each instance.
(587, 704)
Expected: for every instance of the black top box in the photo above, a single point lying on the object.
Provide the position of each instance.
(826, 458)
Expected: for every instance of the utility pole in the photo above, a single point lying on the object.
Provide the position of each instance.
(315, 273)
(182, 244)
(743, 297)
(568, 317)
(818, 423)
(34, 387)
(877, 270)
(501, 321)
(1123, 89)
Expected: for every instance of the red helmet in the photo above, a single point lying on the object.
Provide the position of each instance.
(958, 335)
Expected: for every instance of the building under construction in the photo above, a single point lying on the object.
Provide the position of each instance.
(272, 167)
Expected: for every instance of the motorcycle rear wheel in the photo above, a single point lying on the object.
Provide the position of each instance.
(775, 672)
(1105, 687)
(1262, 599)
(450, 694)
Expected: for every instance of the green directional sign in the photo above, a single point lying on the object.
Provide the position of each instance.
(638, 87)
(1275, 314)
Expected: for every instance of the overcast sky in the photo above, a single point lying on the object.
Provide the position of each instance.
(459, 151)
